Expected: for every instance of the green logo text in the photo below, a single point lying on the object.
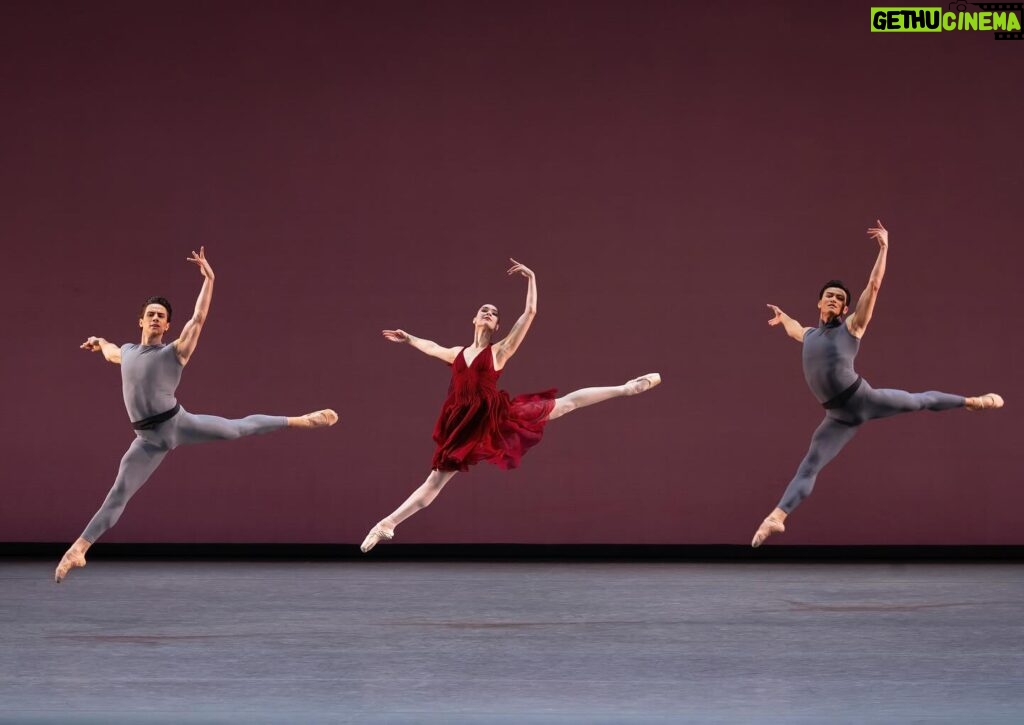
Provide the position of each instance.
(933, 20)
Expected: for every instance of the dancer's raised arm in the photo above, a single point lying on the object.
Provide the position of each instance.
(428, 347)
(793, 328)
(111, 352)
(858, 321)
(185, 345)
(508, 346)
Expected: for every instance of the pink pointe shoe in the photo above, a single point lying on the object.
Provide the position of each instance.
(768, 527)
(321, 418)
(988, 401)
(643, 383)
(377, 534)
(69, 561)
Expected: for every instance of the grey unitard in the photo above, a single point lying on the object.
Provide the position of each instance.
(828, 357)
(150, 375)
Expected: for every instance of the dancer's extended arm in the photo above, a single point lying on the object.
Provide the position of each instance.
(185, 345)
(428, 347)
(793, 328)
(508, 346)
(858, 321)
(111, 352)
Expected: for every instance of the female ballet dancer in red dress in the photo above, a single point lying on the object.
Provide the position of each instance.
(478, 422)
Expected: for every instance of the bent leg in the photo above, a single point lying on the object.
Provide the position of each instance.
(885, 402)
(420, 499)
(191, 428)
(829, 438)
(588, 396)
(137, 465)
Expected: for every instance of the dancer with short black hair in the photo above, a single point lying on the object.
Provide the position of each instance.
(478, 422)
(150, 373)
(848, 399)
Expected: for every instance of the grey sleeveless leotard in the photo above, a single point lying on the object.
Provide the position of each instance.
(828, 355)
(149, 376)
(829, 352)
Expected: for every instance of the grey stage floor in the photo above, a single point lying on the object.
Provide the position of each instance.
(383, 642)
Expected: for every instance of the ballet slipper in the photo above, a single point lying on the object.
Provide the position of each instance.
(643, 383)
(377, 534)
(72, 558)
(986, 402)
(768, 527)
(321, 418)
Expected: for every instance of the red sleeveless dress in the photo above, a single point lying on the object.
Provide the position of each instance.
(481, 423)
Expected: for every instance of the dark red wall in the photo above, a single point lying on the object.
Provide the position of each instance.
(666, 169)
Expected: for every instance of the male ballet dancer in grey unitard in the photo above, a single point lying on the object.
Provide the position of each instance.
(150, 373)
(828, 354)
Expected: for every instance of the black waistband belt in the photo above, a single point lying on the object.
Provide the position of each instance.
(154, 420)
(840, 400)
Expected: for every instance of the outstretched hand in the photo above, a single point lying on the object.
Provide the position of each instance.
(880, 234)
(777, 320)
(200, 260)
(396, 335)
(92, 344)
(520, 268)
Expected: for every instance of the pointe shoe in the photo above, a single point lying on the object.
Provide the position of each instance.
(987, 401)
(768, 527)
(643, 383)
(321, 418)
(377, 534)
(69, 561)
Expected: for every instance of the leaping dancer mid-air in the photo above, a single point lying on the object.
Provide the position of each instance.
(150, 373)
(848, 399)
(478, 422)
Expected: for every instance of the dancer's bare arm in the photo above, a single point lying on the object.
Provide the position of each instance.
(428, 347)
(858, 321)
(508, 346)
(793, 328)
(111, 352)
(186, 343)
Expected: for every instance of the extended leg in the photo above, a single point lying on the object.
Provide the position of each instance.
(589, 396)
(828, 439)
(137, 465)
(420, 499)
(886, 402)
(201, 428)
(191, 428)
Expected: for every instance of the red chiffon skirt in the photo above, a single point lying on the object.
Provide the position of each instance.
(495, 428)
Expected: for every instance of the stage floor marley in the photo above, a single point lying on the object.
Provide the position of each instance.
(510, 642)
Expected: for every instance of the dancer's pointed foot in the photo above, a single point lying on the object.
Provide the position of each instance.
(317, 419)
(72, 558)
(643, 383)
(769, 526)
(380, 532)
(984, 402)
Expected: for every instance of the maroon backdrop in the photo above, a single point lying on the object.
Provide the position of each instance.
(666, 169)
